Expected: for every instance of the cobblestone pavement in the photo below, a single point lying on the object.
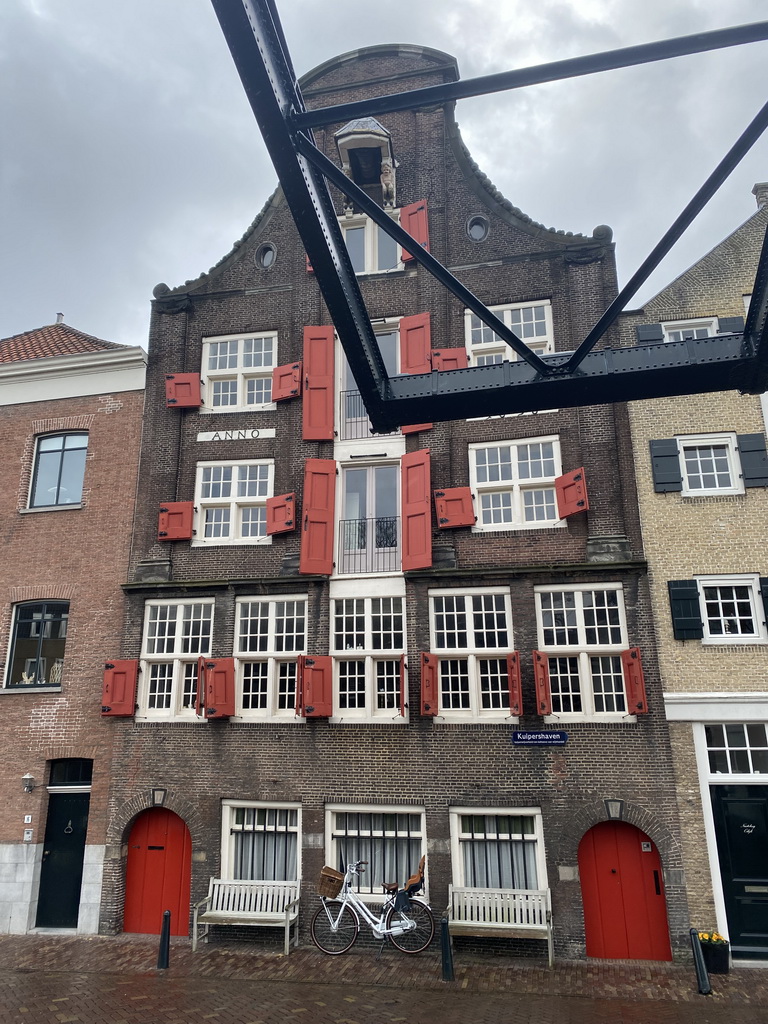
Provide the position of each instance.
(48, 979)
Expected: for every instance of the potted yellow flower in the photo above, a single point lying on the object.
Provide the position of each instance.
(716, 950)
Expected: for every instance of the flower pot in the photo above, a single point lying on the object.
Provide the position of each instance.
(717, 957)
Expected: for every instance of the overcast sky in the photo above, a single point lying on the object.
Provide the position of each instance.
(129, 155)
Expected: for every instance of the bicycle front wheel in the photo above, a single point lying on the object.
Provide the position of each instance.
(332, 932)
(418, 938)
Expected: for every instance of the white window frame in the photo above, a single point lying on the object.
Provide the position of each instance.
(240, 373)
(368, 885)
(371, 242)
(494, 346)
(748, 749)
(356, 430)
(457, 858)
(176, 658)
(272, 657)
(729, 441)
(704, 327)
(473, 655)
(583, 651)
(515, 487)
(392, 589)
(389, 561)
(234, 503)
(752, 582)
(228, 809)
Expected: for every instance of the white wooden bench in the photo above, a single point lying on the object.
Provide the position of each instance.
(257, 904)
(511, 913)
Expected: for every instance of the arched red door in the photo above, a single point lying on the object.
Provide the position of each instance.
(158, 873)
(625, 911)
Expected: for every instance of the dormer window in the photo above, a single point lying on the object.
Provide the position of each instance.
(365, 151)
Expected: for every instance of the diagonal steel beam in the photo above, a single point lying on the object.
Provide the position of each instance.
(736, 153)
(256, 42)
(574, 67)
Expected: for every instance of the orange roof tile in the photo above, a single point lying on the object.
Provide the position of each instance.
(52, 340)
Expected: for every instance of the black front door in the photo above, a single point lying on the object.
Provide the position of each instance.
(741, 827)
(62, 869)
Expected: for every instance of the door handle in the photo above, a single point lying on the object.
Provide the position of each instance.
(657, 883)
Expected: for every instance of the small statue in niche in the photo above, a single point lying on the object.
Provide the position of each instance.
(387, 183)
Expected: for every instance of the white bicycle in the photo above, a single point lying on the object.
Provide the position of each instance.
(407, 922)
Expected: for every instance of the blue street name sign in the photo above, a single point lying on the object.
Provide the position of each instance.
(540, 739)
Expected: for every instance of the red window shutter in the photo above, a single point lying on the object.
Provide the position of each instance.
(415, 353)
(413, 219)
(316, 549)
(634, 681)
(316, 686)
(415, 510)
(182, 390)
(543, 689)
(219, 687)
(449, 359)
(403, 686)
(515, 686)
(175, 521)
(454, 508)
(318, 384)
(571, 492)
(281, 514)
(430, 704)
(415, 344)
(286, 382)
(118, 695)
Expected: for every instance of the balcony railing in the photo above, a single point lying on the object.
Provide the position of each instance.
(353, 418)
(369, 545)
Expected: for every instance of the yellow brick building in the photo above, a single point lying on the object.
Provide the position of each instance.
(702, 479)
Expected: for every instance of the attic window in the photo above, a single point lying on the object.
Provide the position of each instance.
(365, 164)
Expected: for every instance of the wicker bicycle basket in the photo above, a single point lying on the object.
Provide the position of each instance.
(330, 882)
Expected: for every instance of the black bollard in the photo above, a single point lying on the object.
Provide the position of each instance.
(702, 974)
(164, 953)
(445, 943)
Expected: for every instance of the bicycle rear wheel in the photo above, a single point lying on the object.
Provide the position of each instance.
(418, 938)
(340, 939)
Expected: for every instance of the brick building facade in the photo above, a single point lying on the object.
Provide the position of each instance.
(70, 426)
(366, 607)
(702, 477)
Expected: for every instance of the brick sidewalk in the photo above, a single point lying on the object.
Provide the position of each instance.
(132, 955)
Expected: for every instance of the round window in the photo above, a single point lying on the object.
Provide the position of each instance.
(266, 255)
(478, 228)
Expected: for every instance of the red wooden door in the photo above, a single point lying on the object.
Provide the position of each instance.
(625, 911)
(158, 873)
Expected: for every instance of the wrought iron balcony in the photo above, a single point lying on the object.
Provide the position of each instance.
(353, 417)
(369, 545)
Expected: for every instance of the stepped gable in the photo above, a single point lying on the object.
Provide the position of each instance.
(52, 340)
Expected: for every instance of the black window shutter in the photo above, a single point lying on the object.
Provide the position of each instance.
(754, 459)
(686, 611)
(730, 324)
(665, 464)
(764, 595)
(648, 334)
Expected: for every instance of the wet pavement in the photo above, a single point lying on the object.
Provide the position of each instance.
(47, 979)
